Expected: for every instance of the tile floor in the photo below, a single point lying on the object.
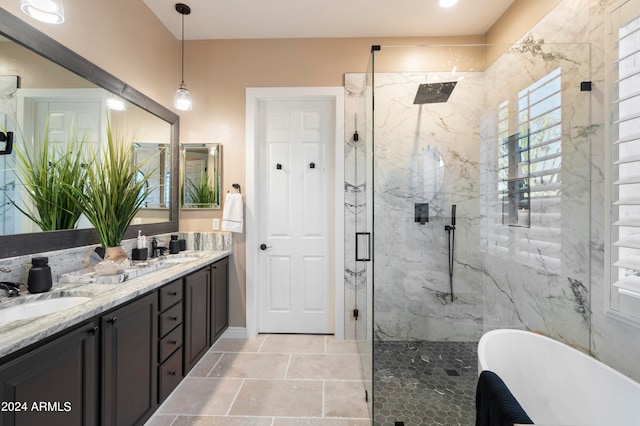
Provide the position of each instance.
(425, 383)
(276, 380)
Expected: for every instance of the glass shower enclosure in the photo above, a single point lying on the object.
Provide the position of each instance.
(467, 189)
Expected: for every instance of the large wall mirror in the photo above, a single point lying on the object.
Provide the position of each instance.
(48, 91)
(201, 175)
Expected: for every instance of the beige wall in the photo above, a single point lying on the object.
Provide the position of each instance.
(121, 36)
(135, 47)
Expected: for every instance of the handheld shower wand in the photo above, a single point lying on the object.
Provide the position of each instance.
(451, 230)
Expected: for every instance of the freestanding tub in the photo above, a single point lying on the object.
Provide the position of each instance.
(559, 385)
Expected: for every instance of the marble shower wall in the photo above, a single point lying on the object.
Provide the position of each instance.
(568, 303)
(537, 277)
(492, 288)
(412, 299)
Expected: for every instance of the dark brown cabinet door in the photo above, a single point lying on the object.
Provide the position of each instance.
(54, 384)
(129, 367)
(196, 317)
(219, 298)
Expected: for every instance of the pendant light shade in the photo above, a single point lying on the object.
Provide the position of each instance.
(49, 11)
(182, 99)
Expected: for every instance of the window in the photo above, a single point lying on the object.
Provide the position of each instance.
(525, 222)
(624, 190)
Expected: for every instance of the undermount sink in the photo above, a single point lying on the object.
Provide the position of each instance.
(181, 259)
(38, 308)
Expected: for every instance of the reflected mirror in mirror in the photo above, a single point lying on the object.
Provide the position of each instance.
(201, 175)
(433, 173)
(154, 160)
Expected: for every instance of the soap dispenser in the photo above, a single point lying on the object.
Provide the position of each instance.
(174, 245)
(39, 279)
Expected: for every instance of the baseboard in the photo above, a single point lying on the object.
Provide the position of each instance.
(235, 333)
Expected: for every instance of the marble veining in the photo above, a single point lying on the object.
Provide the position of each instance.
(19, 334)
(16, 269)
(503, 276)
(564, 299)
(208, 240)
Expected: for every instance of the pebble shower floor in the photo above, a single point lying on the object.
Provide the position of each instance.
(425, 383)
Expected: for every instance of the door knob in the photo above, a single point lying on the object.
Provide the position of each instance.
(264, 246)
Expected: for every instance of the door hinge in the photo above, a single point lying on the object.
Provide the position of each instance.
(355, 314)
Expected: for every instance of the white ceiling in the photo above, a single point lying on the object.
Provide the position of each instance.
(242, 19)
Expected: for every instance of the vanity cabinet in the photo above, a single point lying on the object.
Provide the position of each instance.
(196, 316)
(170, 335)
(54, 384)
(116, 368)
(206, 310)
(219, 299)
(129, 362)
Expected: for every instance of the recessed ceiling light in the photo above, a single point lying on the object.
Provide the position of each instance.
(49, 11)
(447, 3)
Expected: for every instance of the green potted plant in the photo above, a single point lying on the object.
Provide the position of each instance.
(114, 192)
(44, 172)
(202, 194)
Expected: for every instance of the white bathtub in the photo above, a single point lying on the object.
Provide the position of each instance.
(559, 385)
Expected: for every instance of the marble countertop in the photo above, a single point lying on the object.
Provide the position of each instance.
(19, 334)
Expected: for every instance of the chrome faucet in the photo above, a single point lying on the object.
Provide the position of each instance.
(12, 289)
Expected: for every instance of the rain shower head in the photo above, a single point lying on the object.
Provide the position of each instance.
(432, 93)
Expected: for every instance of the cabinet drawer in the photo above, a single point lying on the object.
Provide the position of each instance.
(169, 375)
(170, 319)
(169, 343)
(170, 294)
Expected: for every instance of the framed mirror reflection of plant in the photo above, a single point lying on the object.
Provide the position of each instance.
(201, 175)
(32, 55)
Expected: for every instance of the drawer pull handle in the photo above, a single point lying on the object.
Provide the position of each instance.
(173, 318)
(93, 331)
(172, 373)
(173, 342)
(112, 320)
(173, 293)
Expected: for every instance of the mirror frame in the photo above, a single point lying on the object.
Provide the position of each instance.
(29, 37)
(183, 169)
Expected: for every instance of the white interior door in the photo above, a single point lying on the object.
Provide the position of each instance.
(296, 141)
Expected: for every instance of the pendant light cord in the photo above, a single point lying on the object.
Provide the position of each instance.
(182, 48)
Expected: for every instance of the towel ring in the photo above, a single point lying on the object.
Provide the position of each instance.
(236, 186)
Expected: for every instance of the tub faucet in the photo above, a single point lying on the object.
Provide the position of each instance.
(13, 289)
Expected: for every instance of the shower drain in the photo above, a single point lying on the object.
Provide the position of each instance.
(452, 372)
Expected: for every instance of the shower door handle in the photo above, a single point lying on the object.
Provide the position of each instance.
(363, 246)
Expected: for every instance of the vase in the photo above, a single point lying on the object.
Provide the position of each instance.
(115, 254)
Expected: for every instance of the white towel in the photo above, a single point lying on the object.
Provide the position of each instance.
(232, 215)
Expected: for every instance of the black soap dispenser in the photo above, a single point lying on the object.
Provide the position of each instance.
(39, 280)
(174, 245)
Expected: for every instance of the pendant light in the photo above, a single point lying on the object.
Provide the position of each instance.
(49, 11)
(182, 99)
